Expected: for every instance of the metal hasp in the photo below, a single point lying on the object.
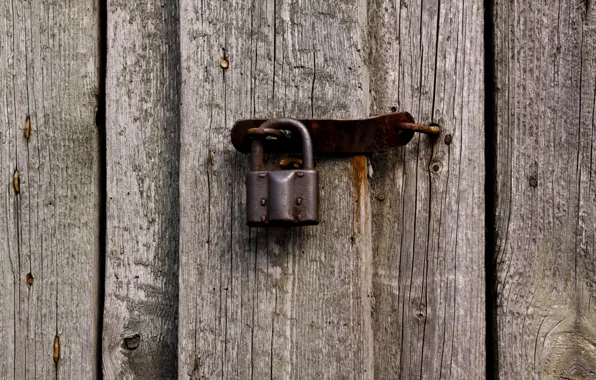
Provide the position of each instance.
(282, 198)
(350, 136)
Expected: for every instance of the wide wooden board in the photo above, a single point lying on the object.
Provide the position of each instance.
(49, 223)
(428, 202)
(545, 216)
(142, 153)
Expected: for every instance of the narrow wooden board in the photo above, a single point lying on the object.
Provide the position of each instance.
(49, 229)
(428, 198)
(142, 153)
(258, 303)
(545, 189)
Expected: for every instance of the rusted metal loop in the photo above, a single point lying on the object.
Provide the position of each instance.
(257, 150)
(265, 132)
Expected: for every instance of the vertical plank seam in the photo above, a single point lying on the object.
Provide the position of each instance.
(100, 118)
(491, 336)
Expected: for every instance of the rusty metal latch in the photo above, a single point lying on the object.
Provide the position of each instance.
(290, 197)
(349, 136)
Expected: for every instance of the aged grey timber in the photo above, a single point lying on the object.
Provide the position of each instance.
(428, 198)
(258, 303)
(49, 197)
(546, 184)
(142, 148)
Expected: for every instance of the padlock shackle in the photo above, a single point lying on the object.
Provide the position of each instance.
(257, 152)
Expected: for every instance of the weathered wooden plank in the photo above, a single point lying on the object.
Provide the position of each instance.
(142, 147)
(428, 198)
(49, 250)
(545, 212)
(276, 303)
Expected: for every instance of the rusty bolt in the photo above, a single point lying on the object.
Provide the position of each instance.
(381, 196)
(224, 64)
(290, 163)
(29, 279)
(448, 139)
(132, 342)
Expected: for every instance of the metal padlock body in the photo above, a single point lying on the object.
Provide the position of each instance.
(282, 198)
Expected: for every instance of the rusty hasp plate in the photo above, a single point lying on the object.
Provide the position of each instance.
(341, 136)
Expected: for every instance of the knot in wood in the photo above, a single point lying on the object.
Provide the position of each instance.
(132, 342)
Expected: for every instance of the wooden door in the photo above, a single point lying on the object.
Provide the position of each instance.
(124, 252)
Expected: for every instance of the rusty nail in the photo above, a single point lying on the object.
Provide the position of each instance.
(300, 174)
(224, 64)
(298, 217)
(27, 131)
(448, 139)
(298, 201)
(533, 181)
(263, 201)
(29, 279)
(16, 182)
(381, 196)
(132, 342)
(56, 349)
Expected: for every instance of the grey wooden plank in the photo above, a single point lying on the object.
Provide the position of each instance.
(276, 303)
(545, 217)
(142, 148)
(50, 226)
(428, 198)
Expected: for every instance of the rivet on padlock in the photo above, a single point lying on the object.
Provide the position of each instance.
(291, 197)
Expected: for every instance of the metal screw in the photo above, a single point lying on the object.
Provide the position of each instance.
(300, 174)
(298, 201)
(381, 196)
(224, 64)
(448, 139)
(263, 201)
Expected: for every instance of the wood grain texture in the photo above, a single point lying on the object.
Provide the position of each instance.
(274, 303)
(545, 216)
(49, 215)
(142, 153)
(427, 58)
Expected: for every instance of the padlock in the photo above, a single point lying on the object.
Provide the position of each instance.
(282, 198)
